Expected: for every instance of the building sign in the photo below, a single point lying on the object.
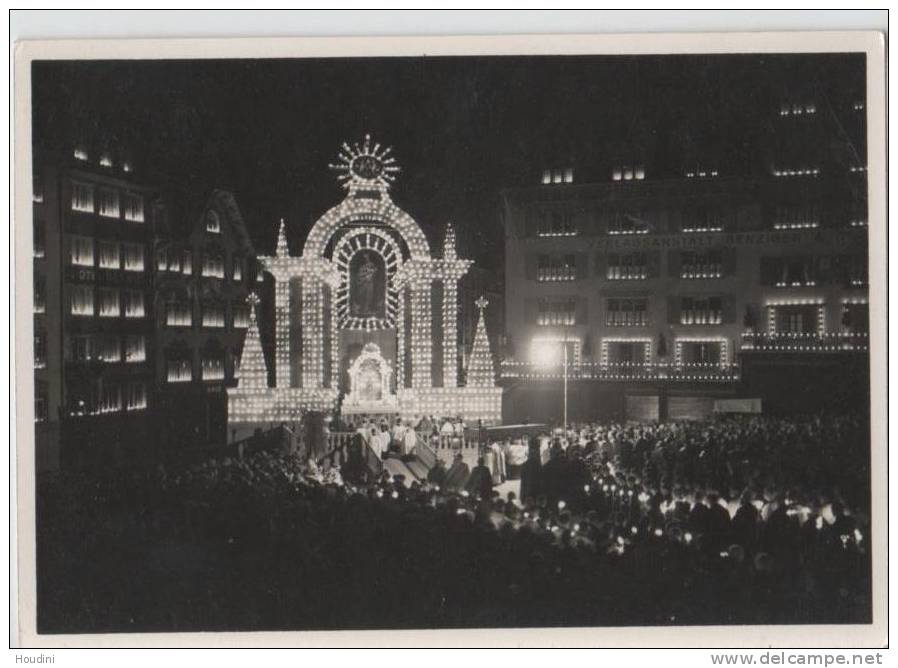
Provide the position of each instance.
(106, 276)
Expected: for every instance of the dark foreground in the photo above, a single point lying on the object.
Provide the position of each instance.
(259, 545)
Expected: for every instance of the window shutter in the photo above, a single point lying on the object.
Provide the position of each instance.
(530, 266)
(673, 310)
(582, 266)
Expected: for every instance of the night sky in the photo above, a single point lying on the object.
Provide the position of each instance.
(461, 128)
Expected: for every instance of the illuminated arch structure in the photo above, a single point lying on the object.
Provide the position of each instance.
(414, 332)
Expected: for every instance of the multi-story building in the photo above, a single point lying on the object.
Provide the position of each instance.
(668, 290)
(93, 324)
(205, 268)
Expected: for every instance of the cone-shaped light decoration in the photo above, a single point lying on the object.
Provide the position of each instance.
(252, 373)
(449, 250)
(282, 249)
(481, 372)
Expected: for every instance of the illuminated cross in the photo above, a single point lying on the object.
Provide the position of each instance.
(481, 303)
(252, 299)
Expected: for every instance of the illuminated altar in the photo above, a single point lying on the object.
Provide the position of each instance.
(365, 317)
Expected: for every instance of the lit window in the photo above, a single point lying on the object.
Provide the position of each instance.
(213, 369)
(40, 295)
(639, 172)
(109, 204)
(136, 348)
(557, 312)
(82, 251)
(109, 303)
(109, 255)
(80, 153)
(37, 193)
(111, 349)
(701, 219)
(133, 208)
(82, 197)
(126, 166)
(563, 175)
(796, 218)
(133, 254)
(701, 311)
(628, 173)
(179, 371)
(555, 224)
(627, 266)
(241, 316)
(187, 266)
(134, 304)
(626, 313)
(616, 174)
(106, 160)
(552, 268)
(110, 399)
(39, 239)
(213, 265)
(82, 348)
(178, 315)
(137, 396)
(213, 316)
(213, 222)
(627, 222)
(237, 273)
(701, 264)
(40, 350)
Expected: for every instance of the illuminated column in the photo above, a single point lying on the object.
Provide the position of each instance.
(450, 307)
(312, 333)
(282, 330)
(421, 341)
(400, 341)
(450, 333)
(335, 344)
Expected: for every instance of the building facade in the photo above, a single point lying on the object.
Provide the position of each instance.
(93, 320)
(668, 292)
(205, 268)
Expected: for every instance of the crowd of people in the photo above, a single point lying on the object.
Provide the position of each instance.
(731, 520)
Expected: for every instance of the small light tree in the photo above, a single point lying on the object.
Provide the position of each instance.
(481, 372)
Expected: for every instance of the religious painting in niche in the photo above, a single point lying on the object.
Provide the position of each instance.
(370, 381)
(367, 286)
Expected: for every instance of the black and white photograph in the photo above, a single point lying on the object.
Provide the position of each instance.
(416, 342)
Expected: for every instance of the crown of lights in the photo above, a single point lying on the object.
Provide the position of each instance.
(365, 166)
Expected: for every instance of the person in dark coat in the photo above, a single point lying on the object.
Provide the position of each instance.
(531, 475)
(555, 475)
(457, 475)
(745, 523)
(437, 475)
(718, 522)
(480, 482)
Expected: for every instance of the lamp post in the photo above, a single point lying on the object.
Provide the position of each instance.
(545, 355)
